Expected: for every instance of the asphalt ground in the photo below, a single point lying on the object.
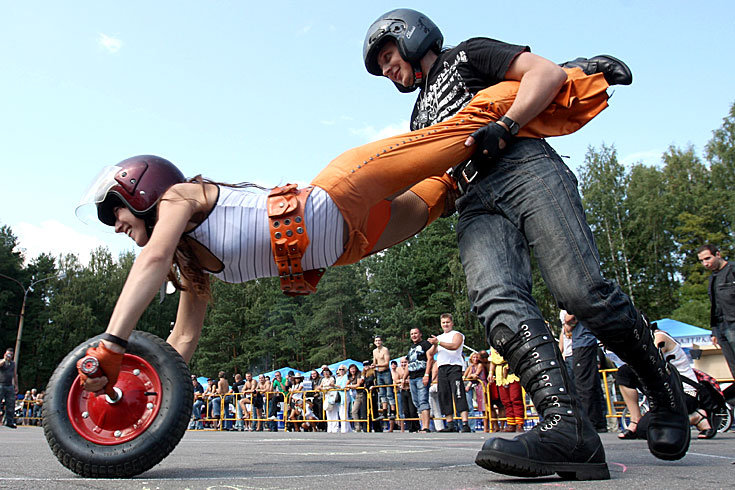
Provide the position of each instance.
(240, 460)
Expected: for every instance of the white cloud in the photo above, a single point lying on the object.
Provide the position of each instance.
(110, 44)
(56, 238)
(369, 133)
(648, 157)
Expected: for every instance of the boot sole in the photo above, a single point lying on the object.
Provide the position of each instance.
(506, 464)
(672, 456)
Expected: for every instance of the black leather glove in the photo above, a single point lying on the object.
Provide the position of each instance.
(488, 139)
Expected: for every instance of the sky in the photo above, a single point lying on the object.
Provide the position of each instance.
(270, 92)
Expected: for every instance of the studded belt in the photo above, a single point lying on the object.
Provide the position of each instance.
(289, 239)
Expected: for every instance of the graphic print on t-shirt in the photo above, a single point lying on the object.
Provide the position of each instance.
(444, 96)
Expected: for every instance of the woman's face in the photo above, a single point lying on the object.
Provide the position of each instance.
(126, 222)
(474, 358)
(314, 375)
(353, 370)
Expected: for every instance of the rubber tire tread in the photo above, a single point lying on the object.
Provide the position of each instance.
(145, 451)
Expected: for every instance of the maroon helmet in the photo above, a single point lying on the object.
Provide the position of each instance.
(138, 183)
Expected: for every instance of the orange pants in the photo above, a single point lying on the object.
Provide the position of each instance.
(360, 180)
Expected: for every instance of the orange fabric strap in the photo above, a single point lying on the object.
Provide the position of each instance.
(289, 239)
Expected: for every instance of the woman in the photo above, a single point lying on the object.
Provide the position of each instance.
(296, 401)
(357, 395)
(476, 378)
(344, 405)
(330, 397)
(361, 203)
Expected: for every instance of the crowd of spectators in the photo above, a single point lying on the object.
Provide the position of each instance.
(384, 395)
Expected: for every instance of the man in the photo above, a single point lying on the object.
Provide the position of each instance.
(587, 381)
(419, 375)
(237, 389)
(8, 386)
(518, 195)
(246, 402)
(448, 348)
(384, 379)
(223, 402)
(722, 298)
(279, 388)
(406, 407)
(196, 411)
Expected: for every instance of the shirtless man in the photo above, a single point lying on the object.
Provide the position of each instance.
(381, 363)
(246, 402)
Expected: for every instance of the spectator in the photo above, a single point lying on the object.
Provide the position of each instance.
(344, 409)
(317, 406)
(8, 386)
(436, 413)
(395, 381)
(448, 347)
(419, 375)
(310, 418)
(296, 400)
(38, 407)
(210, 394)
(496, 409)
(331, 399)
(565, 346)
(372, 399)
(476, 377)
(722, 299)
(383, 379)
(587, 381)
(406, 406)
(262, 390)
(27, 407)
(222, 404)
(358, 396)
(279, 391)
(509, 389)
(196, 411)
(246, 401)
(237, 389)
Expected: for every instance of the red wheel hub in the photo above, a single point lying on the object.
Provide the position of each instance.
(99, 421)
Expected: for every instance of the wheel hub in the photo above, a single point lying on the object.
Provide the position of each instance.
(103, 421)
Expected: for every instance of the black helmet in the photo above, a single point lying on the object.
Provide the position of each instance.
(414, 33)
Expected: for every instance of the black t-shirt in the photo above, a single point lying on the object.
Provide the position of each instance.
(7, 373)
(417, 359)
(237, 384)
(458, 74)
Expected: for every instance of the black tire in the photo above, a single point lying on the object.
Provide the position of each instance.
(145, 451)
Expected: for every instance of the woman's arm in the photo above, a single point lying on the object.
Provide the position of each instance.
(189, 321)
(152, 265)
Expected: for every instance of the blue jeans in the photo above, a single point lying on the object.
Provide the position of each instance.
(528, 200)
(420, 394)
(385, 394)
(196, 412)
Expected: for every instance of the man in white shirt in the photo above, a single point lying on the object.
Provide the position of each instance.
(448, 348)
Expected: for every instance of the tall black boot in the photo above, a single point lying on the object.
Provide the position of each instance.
(565, 441)
(615, 71)
(668, 430)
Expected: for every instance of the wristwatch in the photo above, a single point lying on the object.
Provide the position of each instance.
(513, 127)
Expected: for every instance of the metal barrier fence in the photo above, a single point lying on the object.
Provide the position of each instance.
(256, 411)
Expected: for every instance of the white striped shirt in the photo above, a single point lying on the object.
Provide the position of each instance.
(236, 232)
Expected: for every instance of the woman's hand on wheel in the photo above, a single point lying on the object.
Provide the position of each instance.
(108, 371)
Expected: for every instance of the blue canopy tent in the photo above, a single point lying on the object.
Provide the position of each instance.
(284, 372)
(684, 333)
